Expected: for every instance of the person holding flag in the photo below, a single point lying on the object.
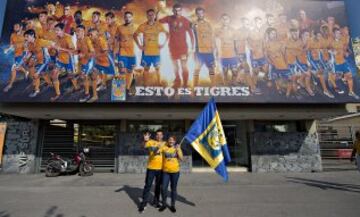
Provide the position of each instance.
(207, 137)
(171, 172)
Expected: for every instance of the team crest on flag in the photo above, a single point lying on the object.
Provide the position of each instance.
(207, 137)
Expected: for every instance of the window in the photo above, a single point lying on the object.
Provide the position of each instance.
(278, 126)
(153, 126)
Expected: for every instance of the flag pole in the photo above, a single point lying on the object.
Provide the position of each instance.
(182, 141)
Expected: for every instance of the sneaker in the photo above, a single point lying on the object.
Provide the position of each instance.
(26, 75)
(85, 99)
(337, 90)
(328, 94)
(34, 94)
(172, 209)
(352, 94)
(142, 207)
(162, 208)
(156, 204)
(101, 88)
(257, 91)
(7, 88)
(69, 90)
(93, 99)
(131, 91)
(54, 98)
(310, 92)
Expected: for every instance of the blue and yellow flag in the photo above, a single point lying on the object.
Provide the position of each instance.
(207, 137)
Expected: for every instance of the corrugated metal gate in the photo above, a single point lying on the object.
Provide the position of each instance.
(66, 138)
(336, 142)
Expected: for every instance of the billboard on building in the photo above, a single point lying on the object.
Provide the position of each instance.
(261, 51)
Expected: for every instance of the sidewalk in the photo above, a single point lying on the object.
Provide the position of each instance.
(105, 195)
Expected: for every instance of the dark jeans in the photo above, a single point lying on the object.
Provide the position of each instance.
(150, 176)
(173, 179)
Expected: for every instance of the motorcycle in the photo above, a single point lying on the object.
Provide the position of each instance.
(57, 165)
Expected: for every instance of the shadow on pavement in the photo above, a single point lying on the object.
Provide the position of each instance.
(4, 214)
(52, 212)
(325, 185)
(135, 195)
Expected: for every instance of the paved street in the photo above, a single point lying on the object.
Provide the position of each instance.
(327, 194)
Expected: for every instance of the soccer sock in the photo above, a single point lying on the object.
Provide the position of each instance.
(57, 87)
(87, 85)
(196, 80)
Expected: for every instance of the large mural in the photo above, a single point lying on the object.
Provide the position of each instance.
(261, 51)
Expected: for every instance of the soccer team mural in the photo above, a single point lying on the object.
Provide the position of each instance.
(261, 51)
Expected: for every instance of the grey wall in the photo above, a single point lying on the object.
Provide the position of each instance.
(285, 152)
(20, 147)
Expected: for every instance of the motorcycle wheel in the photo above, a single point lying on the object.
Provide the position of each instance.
(52, 169)
(86, 169)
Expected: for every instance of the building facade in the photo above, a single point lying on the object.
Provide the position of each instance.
(265, 133)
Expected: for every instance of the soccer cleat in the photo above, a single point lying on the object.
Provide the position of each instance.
(257, 91)
(328, 94)
(352, 94)
(310, 92)
(34, 94)
(54, 98)
(93, 99)
(7, 88)
(101, 88)
(26, 75)
(337, 90)
(85, 99)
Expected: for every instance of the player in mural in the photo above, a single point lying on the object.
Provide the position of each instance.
(241, 43)
(150, 46)
(110, 32)
(274, 50)
(47, 32)
(205, 47)
(126, 52)
(68, 20)
(256, 40)
(299, 47)
(64, 60)
(104, 65)
(226, 38)
(17, 44)
(341, 67)
(314, 57)
(179, 50)
(86, 53)
(36, 58)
